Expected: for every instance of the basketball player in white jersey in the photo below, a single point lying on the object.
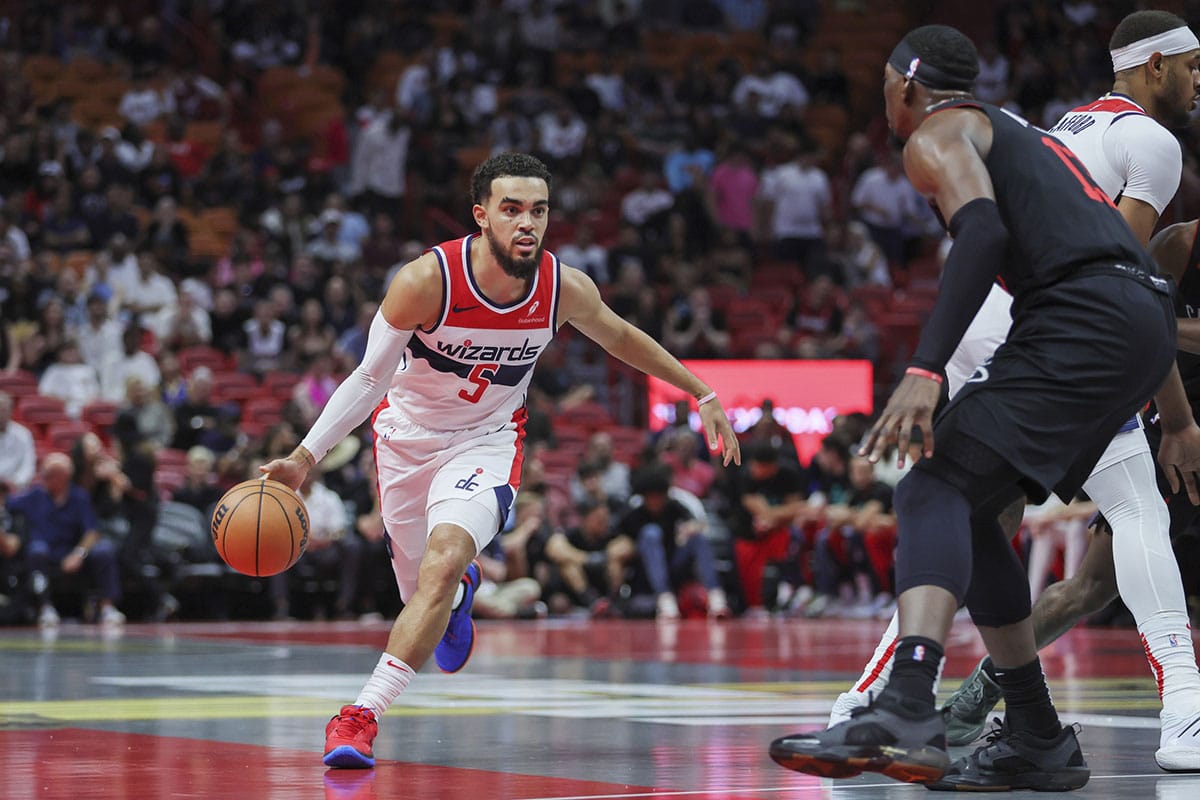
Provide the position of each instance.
(448, 361)
(1122, 141)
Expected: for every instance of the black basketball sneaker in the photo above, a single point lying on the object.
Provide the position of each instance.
(1019, 760)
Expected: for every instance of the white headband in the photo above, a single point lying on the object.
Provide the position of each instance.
(1169, 43)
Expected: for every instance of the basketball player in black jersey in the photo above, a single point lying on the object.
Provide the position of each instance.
(1093, 337)
(1176, 250)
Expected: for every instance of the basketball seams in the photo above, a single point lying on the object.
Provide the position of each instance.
(291, 534)
(224, 550)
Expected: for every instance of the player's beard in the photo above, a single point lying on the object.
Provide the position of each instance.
(519, 268)
(1175, 116)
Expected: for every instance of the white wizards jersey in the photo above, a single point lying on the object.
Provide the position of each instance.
(472, 369)
(1127, 153)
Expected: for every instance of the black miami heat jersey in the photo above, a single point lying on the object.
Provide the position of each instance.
(1058, 218)
(472, 369)
(1187, 304)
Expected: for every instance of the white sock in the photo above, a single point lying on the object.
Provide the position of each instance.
(459, 594)
(390, 678)
(1167, 638)
(879, 669)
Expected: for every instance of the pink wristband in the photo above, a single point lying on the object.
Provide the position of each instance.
(923, 373)
(708, 398)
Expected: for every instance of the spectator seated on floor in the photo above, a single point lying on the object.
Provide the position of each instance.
(64, 548)
(768, 498)
(856, 540)
(590, 561)
(498, 596)
(672, 549)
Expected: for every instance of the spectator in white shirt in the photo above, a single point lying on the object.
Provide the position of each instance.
(796, 200)
(131, 362)
(151, 296)
(328, 247)
(70, 380)
(266, 336)
(134, 151)
(885, 200)
(142, 103)
(12, 237)
(648, 201)
(770, 90)
(379, 165)
(561, 134)
(584, 253)
(100, 334)
(992, 84)
(18, 456)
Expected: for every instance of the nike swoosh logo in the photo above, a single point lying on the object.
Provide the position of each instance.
(391, 663)
(459, 309)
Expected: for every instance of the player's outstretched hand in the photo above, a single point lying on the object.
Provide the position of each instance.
(716, 423)
(912, 404)
(290, 470)
(1179, 457)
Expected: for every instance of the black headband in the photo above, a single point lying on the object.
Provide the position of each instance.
(906, 61)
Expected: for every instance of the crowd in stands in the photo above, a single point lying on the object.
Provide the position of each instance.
(203, 202)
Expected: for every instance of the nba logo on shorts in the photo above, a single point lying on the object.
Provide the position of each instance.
(919, 653)
(1173, 641)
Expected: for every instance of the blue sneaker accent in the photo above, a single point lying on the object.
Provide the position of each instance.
(453, 651)
(347, 757)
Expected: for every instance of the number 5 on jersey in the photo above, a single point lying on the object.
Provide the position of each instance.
(481, 375)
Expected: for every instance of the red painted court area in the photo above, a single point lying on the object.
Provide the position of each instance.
(550, 710)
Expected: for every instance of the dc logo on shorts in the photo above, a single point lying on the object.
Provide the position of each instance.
(468, 483)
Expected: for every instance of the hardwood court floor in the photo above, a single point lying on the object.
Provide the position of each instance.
(550, 710)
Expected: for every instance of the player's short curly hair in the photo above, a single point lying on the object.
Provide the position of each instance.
(1142, 25)
(505, 165)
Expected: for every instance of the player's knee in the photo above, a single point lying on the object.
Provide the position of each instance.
(621, 549)
(650, 536)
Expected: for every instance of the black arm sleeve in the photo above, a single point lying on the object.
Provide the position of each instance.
(978, 253)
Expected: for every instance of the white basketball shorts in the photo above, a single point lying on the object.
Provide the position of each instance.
(426, 477)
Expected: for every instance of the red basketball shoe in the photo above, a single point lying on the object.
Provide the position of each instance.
(348, 738)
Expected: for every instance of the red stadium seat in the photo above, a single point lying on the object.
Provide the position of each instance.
(19, 384)
(233, 387)
(211, 357)
(280, 385)
(266, 410)
(62, 436)
(170, 457)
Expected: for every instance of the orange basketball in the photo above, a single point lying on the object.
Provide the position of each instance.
(260, 527)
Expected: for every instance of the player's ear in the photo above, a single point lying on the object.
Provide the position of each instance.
(480, 215)
(1157, 65)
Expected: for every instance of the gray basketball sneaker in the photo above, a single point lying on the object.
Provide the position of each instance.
(966, 712)
(907, 744)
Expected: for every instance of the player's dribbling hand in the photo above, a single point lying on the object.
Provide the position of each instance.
(289, 471)
(912, 404)
(716, 423)
(1179, 457)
